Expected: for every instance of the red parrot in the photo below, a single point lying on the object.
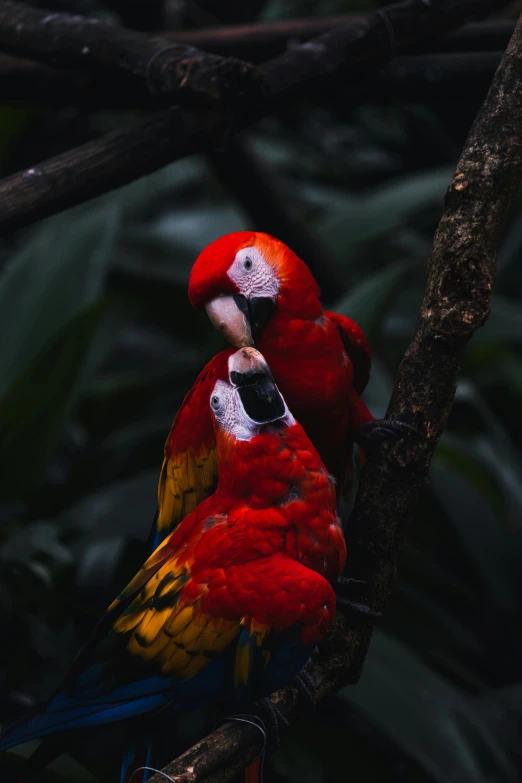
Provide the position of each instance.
(232, 603)
(256, 290)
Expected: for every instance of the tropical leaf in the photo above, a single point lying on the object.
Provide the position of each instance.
(427, 717)
(55, 275)
(37, 403)
(63, 770)
(368, 301)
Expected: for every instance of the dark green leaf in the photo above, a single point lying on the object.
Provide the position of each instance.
(64, 770)
(58, 273)
(36, 404)
(368, 301)
(455, 453)
(427, 717)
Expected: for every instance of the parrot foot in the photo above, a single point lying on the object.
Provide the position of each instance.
(275, 722)
(346, 605)
(306, 686)
(375, 432)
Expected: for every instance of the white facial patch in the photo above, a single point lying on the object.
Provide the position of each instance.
(253, 275)
(226, 405)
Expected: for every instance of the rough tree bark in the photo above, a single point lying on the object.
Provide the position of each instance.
(347, 52)
(460, 277)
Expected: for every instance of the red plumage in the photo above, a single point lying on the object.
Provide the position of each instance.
(319, 360)
(231, 604)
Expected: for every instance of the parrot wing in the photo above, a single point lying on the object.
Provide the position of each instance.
(189, 471)
(145, 654)
(357, 348)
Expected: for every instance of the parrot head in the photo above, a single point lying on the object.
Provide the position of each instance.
(245, 279)
(249, 400)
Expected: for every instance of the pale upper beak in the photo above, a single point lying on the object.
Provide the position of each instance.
(229, 319)
(260, 397)
(247, 362)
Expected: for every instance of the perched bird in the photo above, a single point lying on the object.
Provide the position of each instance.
(232, 603)
(257, 291)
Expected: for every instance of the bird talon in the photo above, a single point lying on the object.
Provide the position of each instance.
(275, 723)
(346, 606)
(343, 581)
(372, 433)
(306, 686)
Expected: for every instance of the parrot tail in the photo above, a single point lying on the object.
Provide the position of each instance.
(137, 757)
(253, 772)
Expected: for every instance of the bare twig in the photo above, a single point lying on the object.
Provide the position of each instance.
(346, 52)
(461, 271)
(259, 42)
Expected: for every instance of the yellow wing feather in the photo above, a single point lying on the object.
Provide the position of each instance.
(185, 480)
(178, 637)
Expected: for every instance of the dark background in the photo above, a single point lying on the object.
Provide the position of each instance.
(99, 345)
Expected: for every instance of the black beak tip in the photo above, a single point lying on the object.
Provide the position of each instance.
(256, 310)
(259, 395)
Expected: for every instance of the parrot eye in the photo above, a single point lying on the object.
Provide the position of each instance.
(248, 264)
(215, 402)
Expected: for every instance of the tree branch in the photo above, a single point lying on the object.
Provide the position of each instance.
(112, 161)
(172, 72)
(259, 42)
(461, 271)
(346, 52)
(22, 79)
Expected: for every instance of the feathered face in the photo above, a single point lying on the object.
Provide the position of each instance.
(249, 400)
(241, 278)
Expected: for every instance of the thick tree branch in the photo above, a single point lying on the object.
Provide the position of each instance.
(454, 72)
(347, 52)
(114, 160)
(461, 271)
(172, 72)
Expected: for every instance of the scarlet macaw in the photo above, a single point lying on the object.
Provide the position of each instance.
(255, 289)
(231, 605)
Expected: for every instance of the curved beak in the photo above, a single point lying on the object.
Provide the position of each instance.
(229, 319)
(240, 319)
(260, 397)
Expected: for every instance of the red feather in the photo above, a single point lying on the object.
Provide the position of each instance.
(320, 362)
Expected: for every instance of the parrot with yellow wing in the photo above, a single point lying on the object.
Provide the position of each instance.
(258, 292)
(231, 605)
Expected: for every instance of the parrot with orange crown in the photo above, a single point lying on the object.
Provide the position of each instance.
(258, 292)
(231, 605)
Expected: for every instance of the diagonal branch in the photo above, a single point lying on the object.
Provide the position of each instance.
(172, 72)
(461, 271)
(347, 53)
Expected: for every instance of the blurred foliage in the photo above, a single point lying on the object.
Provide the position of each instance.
(100, 345)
